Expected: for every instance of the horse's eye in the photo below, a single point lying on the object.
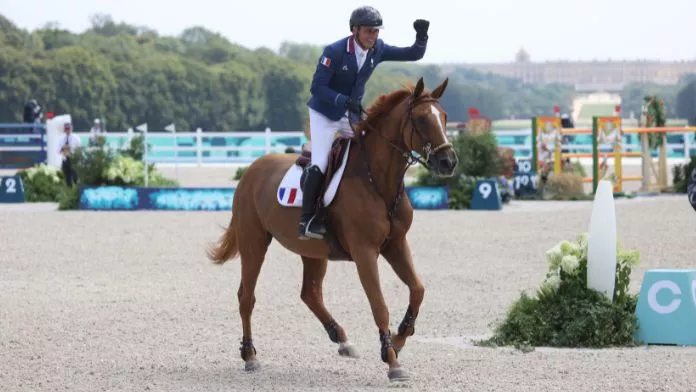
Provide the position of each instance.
(422, 121)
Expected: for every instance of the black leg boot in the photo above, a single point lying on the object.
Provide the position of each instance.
(310, 225)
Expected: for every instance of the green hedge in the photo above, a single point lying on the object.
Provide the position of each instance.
(95, 166)
(681, 174)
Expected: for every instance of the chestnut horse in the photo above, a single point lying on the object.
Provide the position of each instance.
(368, 216)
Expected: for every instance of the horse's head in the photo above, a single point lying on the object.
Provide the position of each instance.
(428, 130)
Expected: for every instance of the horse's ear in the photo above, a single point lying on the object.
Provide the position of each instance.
(419, 88)
(437, 93)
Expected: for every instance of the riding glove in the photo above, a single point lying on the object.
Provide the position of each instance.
(354, 107)
(421, 27)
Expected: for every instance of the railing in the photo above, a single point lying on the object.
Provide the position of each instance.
(22, 145)
(204, 148)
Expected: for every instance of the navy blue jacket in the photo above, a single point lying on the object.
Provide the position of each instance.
(336, 77)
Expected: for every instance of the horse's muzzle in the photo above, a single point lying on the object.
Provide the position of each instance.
(443, 162)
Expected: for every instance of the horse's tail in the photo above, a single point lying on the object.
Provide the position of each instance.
(227, 246)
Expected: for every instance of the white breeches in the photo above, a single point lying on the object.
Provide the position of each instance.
(322, 134)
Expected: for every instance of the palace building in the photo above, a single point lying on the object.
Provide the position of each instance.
(598, 75)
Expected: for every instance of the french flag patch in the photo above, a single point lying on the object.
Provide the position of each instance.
(325, 61)
(287, 195)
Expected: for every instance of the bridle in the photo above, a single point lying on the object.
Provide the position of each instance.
(408, 154)
(411, 158)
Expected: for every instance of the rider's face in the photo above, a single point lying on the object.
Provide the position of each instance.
(367, 36)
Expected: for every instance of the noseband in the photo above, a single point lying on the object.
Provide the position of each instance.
(407, 153)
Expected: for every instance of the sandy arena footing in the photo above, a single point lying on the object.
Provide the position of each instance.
(127, 301)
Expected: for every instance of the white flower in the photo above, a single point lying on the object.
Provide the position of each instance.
(569, 248)
(570, 264)
(550, 284)
(554, 256)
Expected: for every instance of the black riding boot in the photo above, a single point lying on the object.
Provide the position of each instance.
(310, 225)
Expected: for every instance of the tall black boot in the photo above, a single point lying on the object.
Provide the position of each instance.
(310, 225)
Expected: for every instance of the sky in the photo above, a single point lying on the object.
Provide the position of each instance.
(460, 31)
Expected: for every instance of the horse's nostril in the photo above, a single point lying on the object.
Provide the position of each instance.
(446, 162)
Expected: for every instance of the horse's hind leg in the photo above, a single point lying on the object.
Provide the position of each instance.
(253, 244)
(398, 255)
(312, 296)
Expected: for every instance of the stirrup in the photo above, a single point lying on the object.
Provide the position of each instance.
(306, 233)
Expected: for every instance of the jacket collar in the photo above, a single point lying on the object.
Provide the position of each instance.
(350, 45)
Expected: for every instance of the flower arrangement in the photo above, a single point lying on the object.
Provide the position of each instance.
(565, 312)
(125, 170)
(42, 183)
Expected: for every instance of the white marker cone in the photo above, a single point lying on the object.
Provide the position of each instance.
(601, 248)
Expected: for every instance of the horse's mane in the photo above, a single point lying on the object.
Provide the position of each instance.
(385, 103)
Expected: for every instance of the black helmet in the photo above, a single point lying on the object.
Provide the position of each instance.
(365, 16)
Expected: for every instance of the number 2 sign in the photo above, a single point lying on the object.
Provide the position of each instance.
(11, 190)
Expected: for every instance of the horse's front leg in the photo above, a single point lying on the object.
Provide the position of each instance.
(398, 255)
(368, 271)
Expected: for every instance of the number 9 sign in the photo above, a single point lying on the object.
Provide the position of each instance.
(486, 196)
(11, 190)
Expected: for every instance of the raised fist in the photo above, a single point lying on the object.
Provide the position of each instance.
(421, 27)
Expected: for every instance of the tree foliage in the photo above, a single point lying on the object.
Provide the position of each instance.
(128, 75)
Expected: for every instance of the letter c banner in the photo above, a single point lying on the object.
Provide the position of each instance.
(652, 296)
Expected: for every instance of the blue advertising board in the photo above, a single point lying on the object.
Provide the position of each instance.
(209, 199)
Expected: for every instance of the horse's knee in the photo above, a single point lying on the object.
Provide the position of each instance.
(309, 294)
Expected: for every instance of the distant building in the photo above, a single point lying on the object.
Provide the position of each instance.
(594, 75)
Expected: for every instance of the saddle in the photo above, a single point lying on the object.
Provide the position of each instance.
(338, 148)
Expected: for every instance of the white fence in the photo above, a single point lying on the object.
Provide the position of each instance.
(204, 148)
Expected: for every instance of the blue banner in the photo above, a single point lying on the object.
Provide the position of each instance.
(428, 197)
(209, 199)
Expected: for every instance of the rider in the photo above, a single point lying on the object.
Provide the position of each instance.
(337, 90)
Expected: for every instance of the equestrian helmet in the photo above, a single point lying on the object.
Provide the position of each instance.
(365, 16)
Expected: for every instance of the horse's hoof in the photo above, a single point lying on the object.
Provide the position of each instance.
(347, 350)
(252, 365)
(398, 374)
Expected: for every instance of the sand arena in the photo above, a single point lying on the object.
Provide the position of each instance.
(124, 301)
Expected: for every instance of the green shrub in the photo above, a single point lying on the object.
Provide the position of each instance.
(239, 173)
(136, 148)
(565, 312)
(681, 173)
(126, 171)
(42, 183)
(478, 157)
(69, 198)
(103, 166)
(95, 166)
(91, 165)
